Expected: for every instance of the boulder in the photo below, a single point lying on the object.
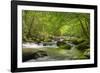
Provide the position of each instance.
(28, 54)
(83, 46)
(39, 54)
(77, 41)
(63, 45)
(87, 53)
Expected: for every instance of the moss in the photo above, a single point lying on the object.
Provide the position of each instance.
(63, 45)
(87, 53)
(77, 41)
(83, 46)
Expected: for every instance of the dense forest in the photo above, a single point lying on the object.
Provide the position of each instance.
(69, 31)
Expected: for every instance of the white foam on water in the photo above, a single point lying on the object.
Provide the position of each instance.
(33, 45)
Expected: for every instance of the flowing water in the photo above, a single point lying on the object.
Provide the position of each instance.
(37, 46)
(53, 51)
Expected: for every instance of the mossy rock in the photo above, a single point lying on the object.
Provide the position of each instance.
(77, 41)
(66, 46)
(39, 54)
(83, 46)
(63, 45)
(60, 43)
(87, 53)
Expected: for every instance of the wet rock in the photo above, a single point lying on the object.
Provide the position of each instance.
(39, 54)
(27, 57)
(77, 41)
(26, 54)
(87, 53)
(83, 46)
(63, 45)
(60, 43)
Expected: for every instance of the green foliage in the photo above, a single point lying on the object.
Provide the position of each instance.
(42, 25)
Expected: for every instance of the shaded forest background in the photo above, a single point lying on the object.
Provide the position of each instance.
(45, 25)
